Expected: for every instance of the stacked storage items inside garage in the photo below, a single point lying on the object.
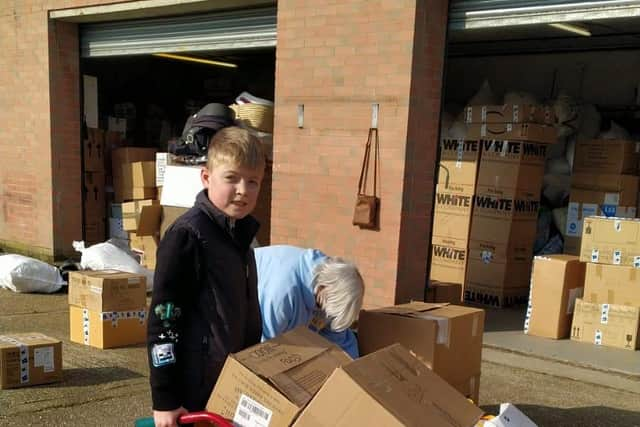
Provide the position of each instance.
(609, 312)
(487, 202)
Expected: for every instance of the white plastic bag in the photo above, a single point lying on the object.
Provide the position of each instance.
(106, 256)
(23, 274)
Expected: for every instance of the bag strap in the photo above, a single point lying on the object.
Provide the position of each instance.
(364, 172)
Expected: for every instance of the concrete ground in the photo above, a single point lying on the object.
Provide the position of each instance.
(110, 387)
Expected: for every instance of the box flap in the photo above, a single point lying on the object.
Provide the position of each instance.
(285, 352)
(410, 309)
(301, 383)
(410, 390)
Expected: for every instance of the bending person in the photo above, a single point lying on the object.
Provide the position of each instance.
(299, 286)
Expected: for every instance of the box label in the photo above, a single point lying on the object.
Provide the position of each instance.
(43, 356)
(250, 413)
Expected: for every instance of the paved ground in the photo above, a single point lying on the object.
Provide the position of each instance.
(110, 387)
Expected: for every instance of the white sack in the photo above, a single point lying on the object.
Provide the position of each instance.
(560, 218)
(615, 132)
(558, 149)
(570, 151)
(557, 166)
(568, 113)
(484, 96)
(23, 274)
(106, 256)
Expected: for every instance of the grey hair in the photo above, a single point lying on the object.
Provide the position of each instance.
(339, 290)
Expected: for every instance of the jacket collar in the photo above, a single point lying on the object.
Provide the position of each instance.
(244, 230)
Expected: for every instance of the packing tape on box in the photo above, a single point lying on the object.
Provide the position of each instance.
(529, 305)
(443, 328)
(460, 153)
(604, 314)
(474, 325)
(516, 113)
(636, 262)
(617, 257)
(112, 316)
(597, 339)
(24, 357)
(595, 255)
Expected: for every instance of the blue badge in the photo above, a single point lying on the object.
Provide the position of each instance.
(163, 355)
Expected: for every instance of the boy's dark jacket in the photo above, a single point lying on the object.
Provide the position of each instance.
(210, 277)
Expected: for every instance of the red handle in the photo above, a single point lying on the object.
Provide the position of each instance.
(204, 416)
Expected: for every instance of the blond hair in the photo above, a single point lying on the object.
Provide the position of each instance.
(235, 146)
(339, 290)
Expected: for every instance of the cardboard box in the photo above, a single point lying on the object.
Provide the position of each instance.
(93, 151)
(452, 214)
(94, 231)
(606, 195)
(499, 232)
(611, 241)
(448, 259)
(388, 388)
(124, 155)
(107, 329)
(529, 132)
(606, 156)
(142, 217)
(612, 284)
(483, 296)
(147, 247)
(448, 338)
(606, 324)
(496, 265)
(107, 290)
(181, 186)
(169, 216)
(94, 196)
(139, 174)
(505, 205)
(511, 165)
(272, 381)
(510, 113)
(458, 166)
(556, 282)
(28, 359)
(444, 292)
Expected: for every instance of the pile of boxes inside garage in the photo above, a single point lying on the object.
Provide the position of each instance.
(487, 202)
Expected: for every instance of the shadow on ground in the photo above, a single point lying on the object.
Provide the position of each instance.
(589, 416)
(506, 319)
(95, 376)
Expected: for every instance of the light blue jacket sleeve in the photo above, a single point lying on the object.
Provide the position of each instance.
(281, 313)
(345, 340)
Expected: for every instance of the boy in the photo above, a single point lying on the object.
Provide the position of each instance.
(205, 298)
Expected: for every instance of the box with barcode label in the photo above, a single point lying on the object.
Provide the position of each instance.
(610, 325)
(28, 359)
(613, 241)
(107, 329)
(107, 290)
(270, 383)
(448, 338)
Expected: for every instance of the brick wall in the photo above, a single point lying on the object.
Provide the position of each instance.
(337, 58)
(39, 129)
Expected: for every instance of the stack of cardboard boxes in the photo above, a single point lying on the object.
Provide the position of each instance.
(609, 313)
(487, 202)
(593, 298)
(301, 379)
(604, 182)
(94, 186)
(107, 308)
